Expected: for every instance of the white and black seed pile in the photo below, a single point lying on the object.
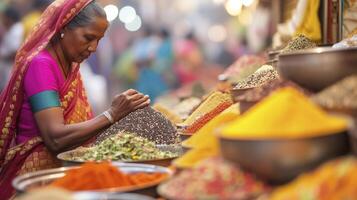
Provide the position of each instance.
(298, 43)
(146, 123)
(341, 95)
(262, 75)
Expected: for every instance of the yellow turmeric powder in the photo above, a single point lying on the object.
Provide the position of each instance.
(173, 117)
(215, 99)
(194, 156)
(205, 138)
(204, 142)
(286, 113)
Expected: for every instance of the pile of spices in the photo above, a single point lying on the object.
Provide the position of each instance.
(341, 95)
(243, 67)
(286, 113)
(298, 43)
(147, 123)
(262, 75)
(124, 147)
(259, 93)
(204, 143)
(173, 117)
(213, 178)
(209, 104)
(334, 180)
(205, 138)
(95, 176)
(185, 107)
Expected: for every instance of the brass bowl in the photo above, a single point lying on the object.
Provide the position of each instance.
(319, 67)
(67, 157)
(281, 160)
(26, 182)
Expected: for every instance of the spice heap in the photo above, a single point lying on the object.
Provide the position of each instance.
(211, 107)
(298, 43)
(341, 95)
(124, 147)
(265, 90)
(95, 176)
(243, 67)
(291, 115)
(146, 123)
(212, 179)
(204, 143)
(173, 117)
(185, 107)
(261, 76)
(335, 180)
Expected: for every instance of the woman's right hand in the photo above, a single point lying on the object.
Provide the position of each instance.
(127, 102)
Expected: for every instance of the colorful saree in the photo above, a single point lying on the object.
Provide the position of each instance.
(32, 154)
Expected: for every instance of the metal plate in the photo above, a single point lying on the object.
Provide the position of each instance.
(66, 157)
(37, 179)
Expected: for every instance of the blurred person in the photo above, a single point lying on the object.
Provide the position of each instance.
(188, 59)
(31, 19)
(164, 57)
(11, 41)
(149, 81)
(44, 108)
(125, 69)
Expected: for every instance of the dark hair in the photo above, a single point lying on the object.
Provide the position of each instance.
(11, 13)
(86, 16)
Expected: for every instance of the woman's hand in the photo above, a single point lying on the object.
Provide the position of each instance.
(127, 102)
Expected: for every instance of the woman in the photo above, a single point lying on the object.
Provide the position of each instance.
(44, 108)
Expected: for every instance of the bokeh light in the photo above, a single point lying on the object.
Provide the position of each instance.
(111, 11)
(233, 7)
(134, 25)
(127, 14)
(217, 33)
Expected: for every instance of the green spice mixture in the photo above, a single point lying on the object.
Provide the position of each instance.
(125, 147)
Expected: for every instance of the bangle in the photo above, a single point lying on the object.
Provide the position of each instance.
(108, 116)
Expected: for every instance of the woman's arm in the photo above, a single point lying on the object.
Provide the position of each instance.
(59, 136)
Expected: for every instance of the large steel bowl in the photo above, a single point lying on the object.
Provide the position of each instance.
(26, 182)
(319, 67)
(67, 157)
(281, 160)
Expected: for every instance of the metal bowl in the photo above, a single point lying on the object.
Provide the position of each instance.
(66, 157)
(109, 196)
(43, 178)
(281, 160)
(319, 67)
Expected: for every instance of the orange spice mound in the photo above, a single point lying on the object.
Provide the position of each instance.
(200, 122)
(95, 176)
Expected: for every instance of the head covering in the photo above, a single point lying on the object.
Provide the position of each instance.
(55, 17)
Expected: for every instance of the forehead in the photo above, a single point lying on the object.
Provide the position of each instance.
(96, 28)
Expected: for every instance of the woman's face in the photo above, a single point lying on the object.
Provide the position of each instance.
(79, 43)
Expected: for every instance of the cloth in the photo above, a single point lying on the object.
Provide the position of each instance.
(32, 154)
(43, 74)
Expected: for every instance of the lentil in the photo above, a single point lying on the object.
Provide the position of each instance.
(146, 123)
(341, 95)
(258, 78)
(211, 102)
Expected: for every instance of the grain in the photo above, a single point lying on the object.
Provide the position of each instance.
(146, 123)
(262, 75)
(298, 43)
